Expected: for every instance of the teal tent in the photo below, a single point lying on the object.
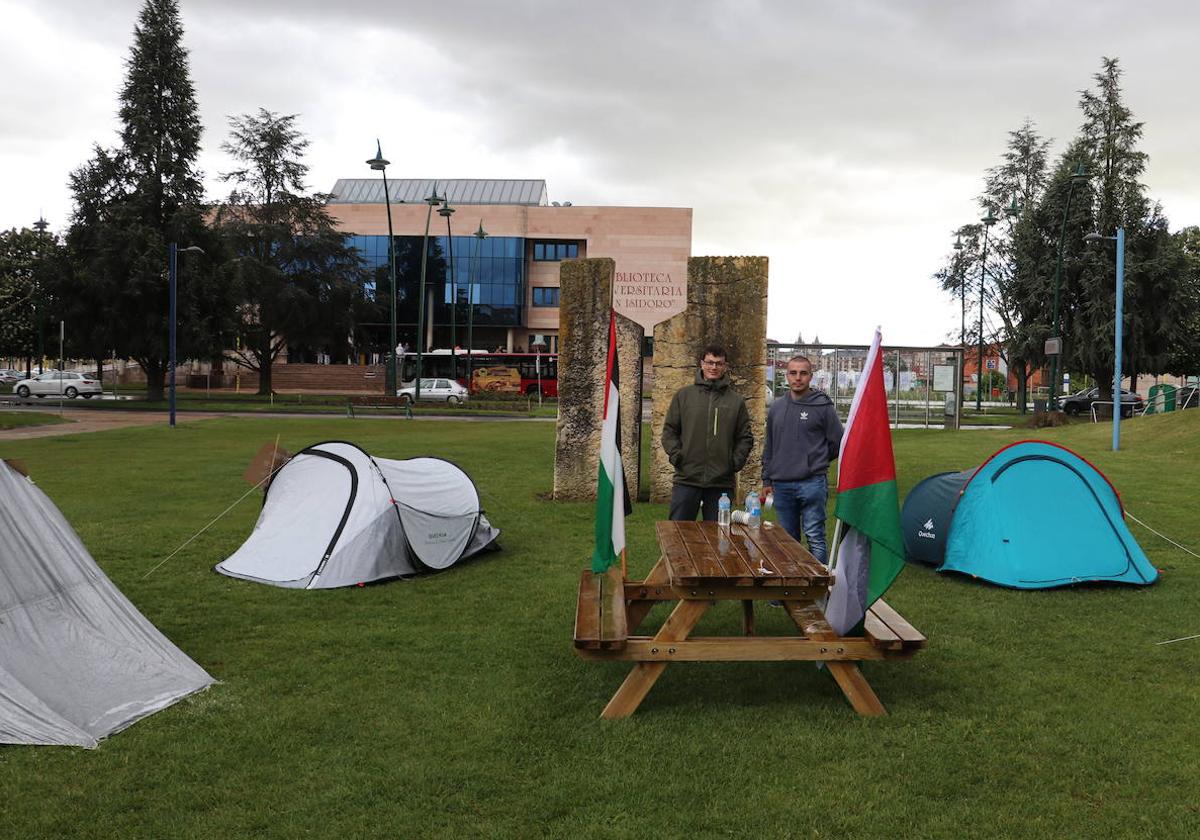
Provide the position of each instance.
(1035, 515)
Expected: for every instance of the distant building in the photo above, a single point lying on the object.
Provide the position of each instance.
(510, 278)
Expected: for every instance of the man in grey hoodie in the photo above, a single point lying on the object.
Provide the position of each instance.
(707, 437)
(803, 436)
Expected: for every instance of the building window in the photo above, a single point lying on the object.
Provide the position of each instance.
(555, 251)
(545, 295)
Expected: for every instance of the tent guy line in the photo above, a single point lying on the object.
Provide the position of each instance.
(1172, 641)
(1165, 537)
(189, 540)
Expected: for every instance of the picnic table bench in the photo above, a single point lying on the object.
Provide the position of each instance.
(701, 565)
(377, 401)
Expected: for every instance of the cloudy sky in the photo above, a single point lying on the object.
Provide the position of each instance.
(844, 140)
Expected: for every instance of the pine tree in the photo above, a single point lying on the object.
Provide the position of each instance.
(1184, 355)
(300, 283)
(132, 201)
(1016, 183)
(1154, 265)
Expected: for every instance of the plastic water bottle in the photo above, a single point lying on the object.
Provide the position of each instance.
(753, 509)
(724, 511)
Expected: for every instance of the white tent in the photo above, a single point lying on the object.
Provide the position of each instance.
(77, 660)
(335, 516)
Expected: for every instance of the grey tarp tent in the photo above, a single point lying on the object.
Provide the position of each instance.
(335, 516)
(78, 661)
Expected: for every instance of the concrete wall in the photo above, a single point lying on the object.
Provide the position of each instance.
(727, 304)
(582, 360)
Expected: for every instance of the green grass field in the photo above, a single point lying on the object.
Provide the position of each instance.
(453, 705)
(20, 419)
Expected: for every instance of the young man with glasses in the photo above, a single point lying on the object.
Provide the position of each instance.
(803, 437)
(707, 437)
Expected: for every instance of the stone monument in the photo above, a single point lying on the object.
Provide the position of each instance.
(726, 304)
(585, 299)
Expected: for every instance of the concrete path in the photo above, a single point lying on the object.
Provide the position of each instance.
(79, 422)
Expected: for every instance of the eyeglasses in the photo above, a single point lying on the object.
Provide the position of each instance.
(707, 363)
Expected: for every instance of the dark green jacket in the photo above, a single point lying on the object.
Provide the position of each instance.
(707, 433)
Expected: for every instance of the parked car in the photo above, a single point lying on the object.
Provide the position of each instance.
(437, 390)
(1073, 404)
(10, 377)
(52, 383)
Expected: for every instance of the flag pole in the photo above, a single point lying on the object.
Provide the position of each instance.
(612, 334)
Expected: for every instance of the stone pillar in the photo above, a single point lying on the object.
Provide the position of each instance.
(727, 304)
(583, 305)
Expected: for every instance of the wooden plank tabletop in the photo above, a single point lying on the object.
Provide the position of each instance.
(703, 554)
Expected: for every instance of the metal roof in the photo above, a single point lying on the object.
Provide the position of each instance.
(461, 191)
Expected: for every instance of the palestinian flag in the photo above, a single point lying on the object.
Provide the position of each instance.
(612, 498)
(870, 551)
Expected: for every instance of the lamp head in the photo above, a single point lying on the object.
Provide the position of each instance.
(990, 219)
(377, 162)
(1014, 209)
(191, 249)
(958, 246)
(1094, 238)
(481, 233)
(1080, 173)
(433, 199)
(445, 211)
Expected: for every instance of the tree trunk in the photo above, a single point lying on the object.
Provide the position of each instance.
(156, 376)
(265, 363)
(1022, 385)
(1104, 383)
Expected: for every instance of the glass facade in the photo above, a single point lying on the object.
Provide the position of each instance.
(490, 273)
(555, 251)
(545, 295)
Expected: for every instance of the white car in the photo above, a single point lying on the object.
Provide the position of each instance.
(437, 390)
(53, 383)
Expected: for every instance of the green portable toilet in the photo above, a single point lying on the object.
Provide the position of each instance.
(1162, 399)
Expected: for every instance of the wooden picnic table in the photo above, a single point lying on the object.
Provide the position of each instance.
(702, 565)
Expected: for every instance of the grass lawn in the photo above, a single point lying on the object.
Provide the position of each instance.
(21, 419)
(453, 705)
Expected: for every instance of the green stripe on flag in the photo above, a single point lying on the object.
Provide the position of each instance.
(874, 509)
(604, 554)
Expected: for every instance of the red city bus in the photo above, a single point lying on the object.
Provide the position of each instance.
(482, 371)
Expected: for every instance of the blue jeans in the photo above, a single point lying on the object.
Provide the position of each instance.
(800, 508)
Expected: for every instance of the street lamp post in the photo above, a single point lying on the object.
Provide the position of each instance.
(1078, 176)
(988, 221)
(479, 235)
(433, 200)
(379, 163)
(173, 251)
(40, 226)
(1118, 403)
(962, 299)
(446, 211)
